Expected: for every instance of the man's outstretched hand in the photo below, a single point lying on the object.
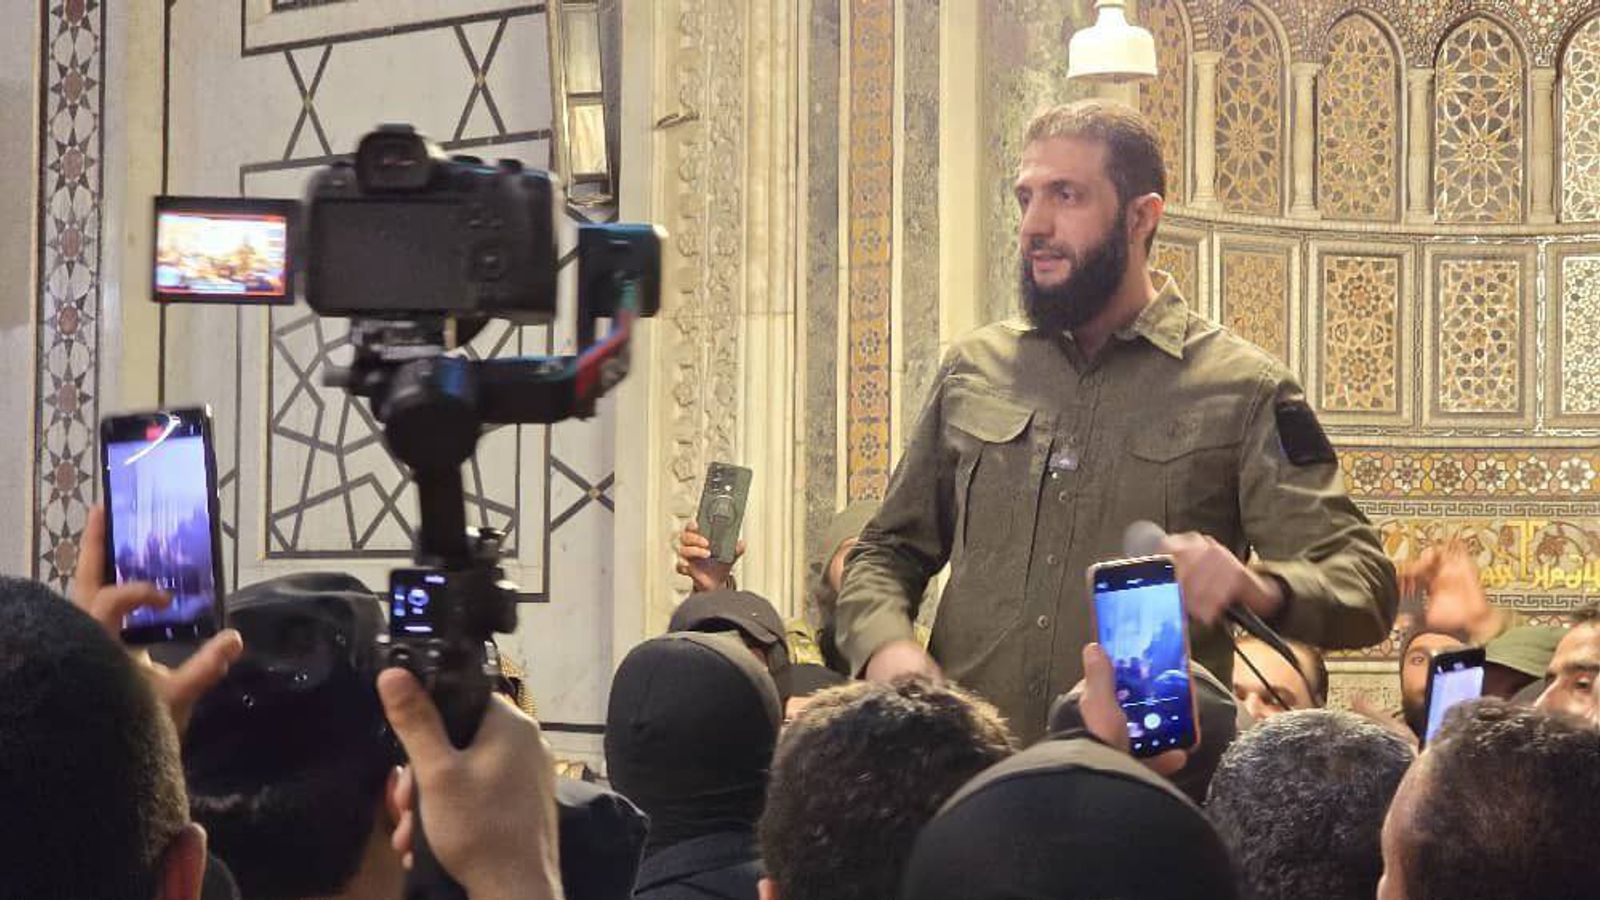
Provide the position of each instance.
(178, 689)
(490, 810)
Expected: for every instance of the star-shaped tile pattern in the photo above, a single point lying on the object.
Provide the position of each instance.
(69, 285)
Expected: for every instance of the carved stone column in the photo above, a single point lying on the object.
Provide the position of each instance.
(1304, 126)
(1542, 155)
(1419, 156)
(1205, 128)
(712, 100)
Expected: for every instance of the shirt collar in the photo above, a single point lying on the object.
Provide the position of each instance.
(1165, 321)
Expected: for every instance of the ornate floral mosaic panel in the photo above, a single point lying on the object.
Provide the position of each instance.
(1249, 137)
(1580, 335)
(871, 192)
(1358, 124)
(1360, 333)
(1580, 126)
(1479, 349)
(1255, 292)
(1165, 98)
(1182, 262)
(1478, 129)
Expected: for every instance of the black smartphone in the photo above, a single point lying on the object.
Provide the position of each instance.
(1454, 676)
(722, 502)
(163, 523)
(1139, 620)
(413, 598)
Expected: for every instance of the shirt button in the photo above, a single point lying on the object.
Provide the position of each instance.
(1050, 559)
(1062, 496)
(1043, 622)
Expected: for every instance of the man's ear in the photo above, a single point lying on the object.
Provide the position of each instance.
(767, 889)
(183, 865)
(1144, 215)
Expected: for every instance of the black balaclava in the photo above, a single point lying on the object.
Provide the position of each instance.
(692, 723)
(1069, 820)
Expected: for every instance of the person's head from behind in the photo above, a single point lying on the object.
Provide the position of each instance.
(858, 773)
(1089, 189)
(1300, 801)
(1501, 804)
(288, 757)
(90, 785)
(1417, 650)
(1574, 668)
(690, 728)
(1064, 820)
(1303, 685)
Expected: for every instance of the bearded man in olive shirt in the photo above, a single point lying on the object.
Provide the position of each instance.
(1112, 402)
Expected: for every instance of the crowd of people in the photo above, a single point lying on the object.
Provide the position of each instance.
(270, 764)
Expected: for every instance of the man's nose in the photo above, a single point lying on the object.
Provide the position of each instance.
(1036, 223)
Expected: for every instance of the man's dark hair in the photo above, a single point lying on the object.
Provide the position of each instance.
(1315, 668)
(1587, 615)
(1300, 799)
(1133, 147)
(1505, 807)
(858, 774)
(91, 793)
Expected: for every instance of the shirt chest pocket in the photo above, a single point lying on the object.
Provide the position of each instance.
(1182, 471)
(997, 475)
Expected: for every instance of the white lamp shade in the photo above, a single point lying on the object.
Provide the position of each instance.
(1111, 50)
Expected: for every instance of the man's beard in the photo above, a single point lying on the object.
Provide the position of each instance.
(1086, 292)
(1415, 711)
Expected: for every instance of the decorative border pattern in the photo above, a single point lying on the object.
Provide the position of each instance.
(1516, 475)
(871, 197)
(67, 364)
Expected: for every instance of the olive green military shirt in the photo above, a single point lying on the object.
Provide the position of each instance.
(1029, 462)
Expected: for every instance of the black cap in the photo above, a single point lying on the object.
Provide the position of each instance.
(751, 615)
(304, 685)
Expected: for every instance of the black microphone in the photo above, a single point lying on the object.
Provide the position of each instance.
(1144, 538)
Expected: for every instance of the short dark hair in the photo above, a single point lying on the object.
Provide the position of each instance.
(858, 774)
(91, 793)
(1300, 799)
(303, 835)
(1506, 807)
(1133, 146)
(1586, 615)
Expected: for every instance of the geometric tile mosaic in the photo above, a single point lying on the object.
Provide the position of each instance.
(1255, 298)
(1579, 311)
(1249, 126)
(1361, 333)
(1479, 334)
(1478, 131)
(1358, 124)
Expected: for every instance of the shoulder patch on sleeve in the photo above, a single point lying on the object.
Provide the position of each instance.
(1304, 442)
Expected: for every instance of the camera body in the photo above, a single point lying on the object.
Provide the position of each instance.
(455, 236)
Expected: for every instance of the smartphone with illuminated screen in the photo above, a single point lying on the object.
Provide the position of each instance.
(1454, 676)
(163, 523)
(224, 250)
(1139, 620)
